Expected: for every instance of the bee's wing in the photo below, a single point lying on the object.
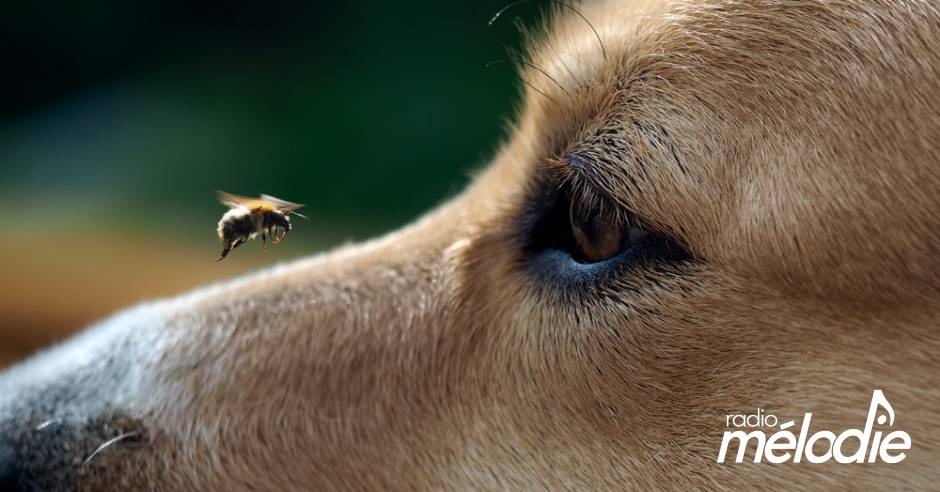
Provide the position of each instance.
(281, 204)
(231, 200)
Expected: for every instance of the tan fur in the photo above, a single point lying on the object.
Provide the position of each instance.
(792, 147)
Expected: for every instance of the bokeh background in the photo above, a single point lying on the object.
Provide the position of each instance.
(119, 119)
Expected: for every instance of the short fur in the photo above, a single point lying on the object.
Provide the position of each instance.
(792, 149)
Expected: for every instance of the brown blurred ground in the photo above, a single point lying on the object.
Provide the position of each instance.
(54, 285)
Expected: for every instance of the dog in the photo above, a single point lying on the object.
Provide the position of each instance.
(704, 209)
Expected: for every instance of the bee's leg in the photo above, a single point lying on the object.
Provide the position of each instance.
(225, 250)
(274, 238)
(238, 242)
(264, 237)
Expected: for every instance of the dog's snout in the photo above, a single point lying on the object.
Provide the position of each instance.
(29, 457)
(8, 480)
(65, 414)
(9, 475)
(10, 471)
(13, 475)
(51, 453)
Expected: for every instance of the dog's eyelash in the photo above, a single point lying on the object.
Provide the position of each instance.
(579, 190)
(572, 174)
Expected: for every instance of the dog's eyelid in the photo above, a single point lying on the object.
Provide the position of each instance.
(579, 169)
(577, 172)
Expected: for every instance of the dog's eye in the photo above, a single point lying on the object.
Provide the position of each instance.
(573, 234)
(599, 233)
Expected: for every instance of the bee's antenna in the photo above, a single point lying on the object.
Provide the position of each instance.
(302, 216)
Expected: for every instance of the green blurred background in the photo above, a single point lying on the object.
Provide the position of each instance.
(119, 119)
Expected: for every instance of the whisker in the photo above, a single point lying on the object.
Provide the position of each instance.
(563, 4)
(526, 82)
(109, 443)
(530, 65)
(552, 45)
(47, 424)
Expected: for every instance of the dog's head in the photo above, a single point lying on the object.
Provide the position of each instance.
(704, 208)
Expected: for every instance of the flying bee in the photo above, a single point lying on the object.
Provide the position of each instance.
(247, 217)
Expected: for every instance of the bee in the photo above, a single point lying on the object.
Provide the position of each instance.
(247, 217)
